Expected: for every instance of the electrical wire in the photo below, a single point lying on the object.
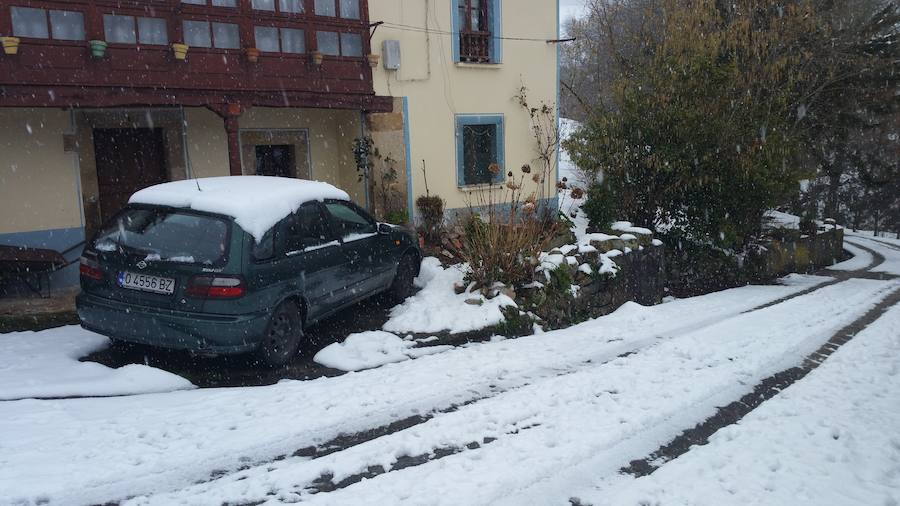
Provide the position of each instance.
(419, 29)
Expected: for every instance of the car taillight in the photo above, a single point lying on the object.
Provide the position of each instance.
(215, 287)
(90, 269)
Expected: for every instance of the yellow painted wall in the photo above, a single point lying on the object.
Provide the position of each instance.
(207, 143)
(438, 89)
(331, 134)
(38, 179)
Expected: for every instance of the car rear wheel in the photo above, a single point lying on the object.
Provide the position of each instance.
(402, 287)
(283, 337)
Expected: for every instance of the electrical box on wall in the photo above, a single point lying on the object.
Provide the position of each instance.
(391, 51)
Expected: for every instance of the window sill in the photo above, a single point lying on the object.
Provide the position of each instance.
(492, 66)
(482, 187)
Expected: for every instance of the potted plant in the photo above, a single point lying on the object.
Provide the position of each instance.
(98, 48)
(317, 57)
(252, 54)
(180, 51)
(10, 45)
(373, 59)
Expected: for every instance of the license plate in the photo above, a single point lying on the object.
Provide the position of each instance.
(146, 283)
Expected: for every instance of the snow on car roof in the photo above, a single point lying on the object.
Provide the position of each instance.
(255, 202)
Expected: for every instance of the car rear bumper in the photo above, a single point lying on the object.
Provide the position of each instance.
(198, 332)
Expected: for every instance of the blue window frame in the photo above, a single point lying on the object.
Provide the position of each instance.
(477, 31)
(479, 144)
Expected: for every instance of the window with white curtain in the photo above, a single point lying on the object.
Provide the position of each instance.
(119, 29)
(28, 22)
(266, 38)
(293, 40)
(67, 25)
(325, 8)
(295, 6)
(226, 36)
(350, 9)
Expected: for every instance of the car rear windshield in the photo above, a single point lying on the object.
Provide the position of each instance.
(166, 235)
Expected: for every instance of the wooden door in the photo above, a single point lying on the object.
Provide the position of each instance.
(128, 159)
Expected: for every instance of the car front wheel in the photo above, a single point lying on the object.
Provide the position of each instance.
(283, 337)
(402, 287)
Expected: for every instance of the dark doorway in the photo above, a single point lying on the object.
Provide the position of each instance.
(275, 160)
(128, 159)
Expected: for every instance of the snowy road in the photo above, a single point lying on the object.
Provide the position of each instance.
(536, 420)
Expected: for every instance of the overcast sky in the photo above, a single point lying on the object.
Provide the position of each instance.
(569, 8)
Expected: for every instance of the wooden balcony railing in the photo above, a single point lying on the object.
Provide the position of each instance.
(475, 47)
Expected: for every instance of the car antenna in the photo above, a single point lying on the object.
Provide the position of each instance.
(198, 185)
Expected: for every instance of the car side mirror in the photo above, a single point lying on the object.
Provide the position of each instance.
(384, 228)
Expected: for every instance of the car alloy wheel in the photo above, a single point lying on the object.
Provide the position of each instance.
(283, 335)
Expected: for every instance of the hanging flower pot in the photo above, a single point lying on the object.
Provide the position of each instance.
(373, 59)
(98, 48)
(252, 54)
(180, 51)
(10, 45)
(317, 57)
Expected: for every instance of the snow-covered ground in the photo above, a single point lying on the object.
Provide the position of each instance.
(888, 249)
(833, 438)
(884, 237)
(96, 450)
(554, 415)
(778, 219)
(45, 364)
(567, 169)
(374, 348)
(437, 307)
(860, 259)
(555, 432)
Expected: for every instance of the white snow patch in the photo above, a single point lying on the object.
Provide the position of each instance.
(437, 307)
(861, 259)
(366, 350)
(626, 226)
(45, 364)
(778, 219)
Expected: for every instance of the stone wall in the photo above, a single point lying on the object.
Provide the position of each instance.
(621, 270)
(799, 253)
(694, 270)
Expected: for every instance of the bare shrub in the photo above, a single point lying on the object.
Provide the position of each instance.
(509, 224)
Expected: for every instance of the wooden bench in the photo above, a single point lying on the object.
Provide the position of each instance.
(31, 267)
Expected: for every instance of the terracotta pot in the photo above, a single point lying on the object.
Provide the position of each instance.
(373, 60)
(98, 48)
(317, 57)
(180, 51)
(252, 54)
(10, 45)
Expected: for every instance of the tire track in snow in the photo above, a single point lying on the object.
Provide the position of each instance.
(369, 466)
(865, 272)
(763, 391)
(584, 412)
(890, 245)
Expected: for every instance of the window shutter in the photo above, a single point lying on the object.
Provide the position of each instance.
(460, 156)
(501, 175)
(454, 31)
(496, 19)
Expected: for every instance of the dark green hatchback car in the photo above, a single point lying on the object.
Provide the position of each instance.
(237, 264)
